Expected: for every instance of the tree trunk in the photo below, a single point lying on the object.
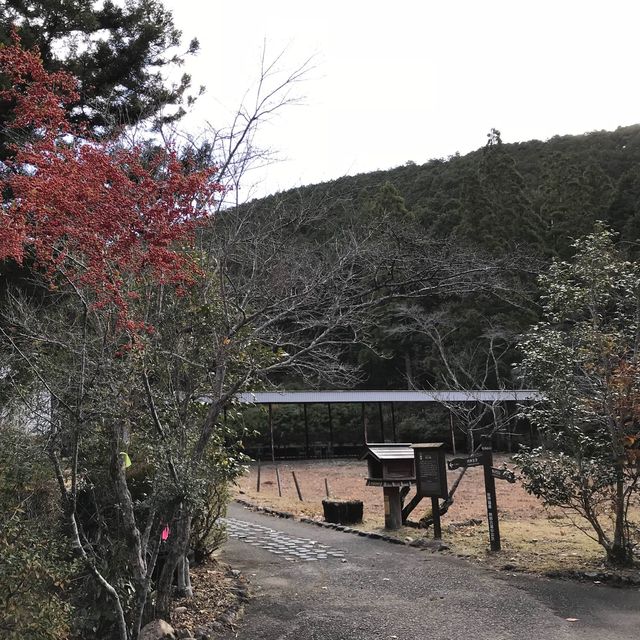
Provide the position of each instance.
(177, 550)
(188, 590)
(619, 553)
(69, 506)
(184, 580)
(142, 612)
(132, 535)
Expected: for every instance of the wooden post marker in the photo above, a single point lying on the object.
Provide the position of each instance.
(484, 459)
(278, 479)
(490, 491)
(258, 481)
(295, 480)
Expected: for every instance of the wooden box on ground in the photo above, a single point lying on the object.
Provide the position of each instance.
(342, 511)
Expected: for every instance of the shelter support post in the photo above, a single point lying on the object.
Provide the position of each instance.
(364, 423)
(330, 431)
(453, 433)
(393, 422)
(273, 448)
(306, 429)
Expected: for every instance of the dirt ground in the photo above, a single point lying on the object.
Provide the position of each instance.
(213, 596)
(534, 539)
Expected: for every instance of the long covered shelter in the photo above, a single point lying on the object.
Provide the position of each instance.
(381, 398)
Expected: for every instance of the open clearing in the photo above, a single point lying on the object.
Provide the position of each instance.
(534, 539)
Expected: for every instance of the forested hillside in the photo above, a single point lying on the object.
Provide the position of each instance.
(527, 200)
(129, 293)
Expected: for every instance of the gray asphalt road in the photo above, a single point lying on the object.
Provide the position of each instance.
(310, 583)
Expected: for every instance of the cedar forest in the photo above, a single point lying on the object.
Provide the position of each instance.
(130, 291)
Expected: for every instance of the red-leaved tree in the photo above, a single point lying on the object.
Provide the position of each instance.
(90, 212)
(98, 222)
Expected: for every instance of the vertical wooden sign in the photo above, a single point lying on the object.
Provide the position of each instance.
(490, 492)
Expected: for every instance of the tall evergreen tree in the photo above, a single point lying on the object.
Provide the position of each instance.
(624, 210)
(573, 194)
(118, 51)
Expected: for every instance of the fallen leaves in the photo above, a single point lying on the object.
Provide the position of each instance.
(212, 588)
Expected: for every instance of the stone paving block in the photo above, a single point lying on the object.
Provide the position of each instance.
(291, 549)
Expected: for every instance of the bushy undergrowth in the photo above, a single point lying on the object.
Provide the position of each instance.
(35, 563)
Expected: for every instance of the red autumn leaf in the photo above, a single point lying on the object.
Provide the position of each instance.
(91, 213)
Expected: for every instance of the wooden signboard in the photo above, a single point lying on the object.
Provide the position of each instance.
(474, 460)
(431, 472)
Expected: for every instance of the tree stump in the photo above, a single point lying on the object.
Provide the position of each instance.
(342, 511)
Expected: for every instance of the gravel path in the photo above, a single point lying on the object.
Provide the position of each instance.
(311, 583)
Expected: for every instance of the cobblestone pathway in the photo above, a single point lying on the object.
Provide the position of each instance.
(291, 549)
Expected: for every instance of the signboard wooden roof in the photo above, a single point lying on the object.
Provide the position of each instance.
(389, 451)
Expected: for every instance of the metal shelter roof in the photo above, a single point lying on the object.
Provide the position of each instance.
(389, 451)
(324, 397)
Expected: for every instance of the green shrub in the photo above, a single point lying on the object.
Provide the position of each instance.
(34, 580)
(35, 565)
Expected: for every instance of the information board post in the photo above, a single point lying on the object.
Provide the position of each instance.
(435, 510)
(392, 508)
(490, 492)
(431, 478)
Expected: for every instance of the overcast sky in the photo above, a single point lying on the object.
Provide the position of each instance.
(414, 80)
